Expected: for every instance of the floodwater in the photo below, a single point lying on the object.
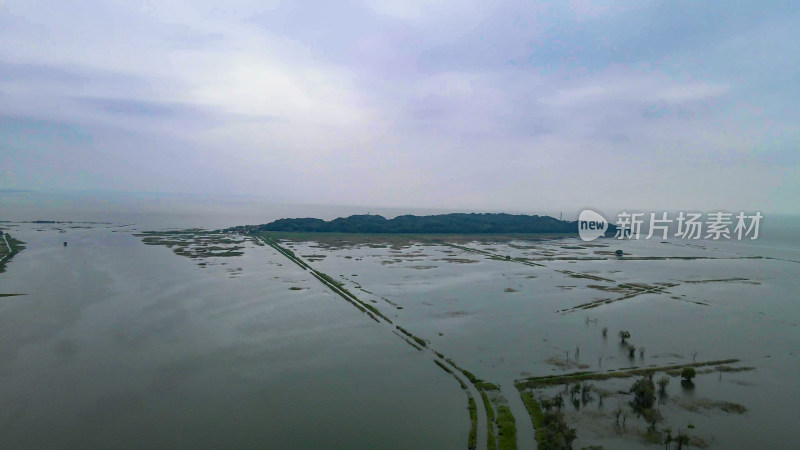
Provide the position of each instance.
(117, 344)
(505, 321)
(120, 344)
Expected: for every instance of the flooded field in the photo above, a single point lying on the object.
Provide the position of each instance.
(139, 337)
(116, 344)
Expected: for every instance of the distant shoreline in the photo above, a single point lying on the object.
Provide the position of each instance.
(434, 225)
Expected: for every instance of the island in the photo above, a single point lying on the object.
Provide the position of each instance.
(454, 223)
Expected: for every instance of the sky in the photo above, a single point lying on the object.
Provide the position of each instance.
(518, 105)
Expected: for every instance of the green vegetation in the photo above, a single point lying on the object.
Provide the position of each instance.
(630, 290)
(662, 384)
(473, 429)
(506, 428)
(415, 341)
(195, 243)
(493, 256)
(508, 438)
(652, 417)
(536, 414)
(470, 376)
(491, 440)
(486, 386)
(585, 275)
(682, 439)
(696, 405)
(549, 380)
(8, 248)
(552, 431)
(444, 223)
(688, 373)
(558, 435)
(336, 286)
(644, 394)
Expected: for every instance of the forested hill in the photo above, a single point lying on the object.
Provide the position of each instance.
(457, 223)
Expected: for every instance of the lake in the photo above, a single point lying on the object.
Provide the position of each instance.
(120, 344)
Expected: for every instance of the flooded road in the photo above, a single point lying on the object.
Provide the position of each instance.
(120, 344)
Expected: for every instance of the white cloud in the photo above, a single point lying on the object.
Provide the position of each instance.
(424, 9)
(632, 86)
(428, 103)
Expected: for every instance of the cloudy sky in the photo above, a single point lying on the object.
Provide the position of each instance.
(518, 105)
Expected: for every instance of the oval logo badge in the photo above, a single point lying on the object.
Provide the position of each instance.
(591, 225)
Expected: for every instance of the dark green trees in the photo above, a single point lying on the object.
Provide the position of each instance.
(662, 384)
(558, 435)
(644, 391)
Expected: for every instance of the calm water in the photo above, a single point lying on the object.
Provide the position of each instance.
(118, 344)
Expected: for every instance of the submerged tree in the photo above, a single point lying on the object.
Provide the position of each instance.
(644, 394)
(586, 389)
(667, 437)
(682, 439)
(688, 373)
(557, 434)
(652, 417)
(624, 335)
(576, 389)
(558, 402)
(662, 384)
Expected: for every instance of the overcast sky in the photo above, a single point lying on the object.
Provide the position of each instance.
(519, 105)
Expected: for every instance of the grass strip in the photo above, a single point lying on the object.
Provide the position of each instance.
(8, 251)
(472, 441)
(506, 429)
(491, 440)
(536, 414)
(534, 382)
(334, 285)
